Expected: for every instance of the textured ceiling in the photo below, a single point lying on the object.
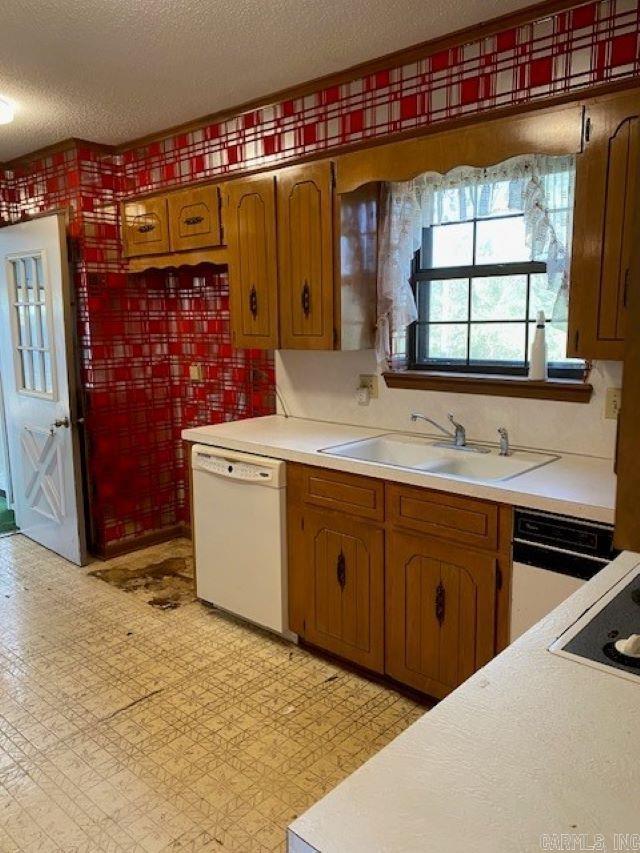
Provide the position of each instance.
(113, 70)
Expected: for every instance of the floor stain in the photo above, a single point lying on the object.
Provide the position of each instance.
(166, 585)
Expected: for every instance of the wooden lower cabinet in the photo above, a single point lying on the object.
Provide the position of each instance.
(344, 564)
(440, 612)
(416, 586)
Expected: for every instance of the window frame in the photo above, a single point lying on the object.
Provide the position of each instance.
(420, 273)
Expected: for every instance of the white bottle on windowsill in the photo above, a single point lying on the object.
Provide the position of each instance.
(538, 367)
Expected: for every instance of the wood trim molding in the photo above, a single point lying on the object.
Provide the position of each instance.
(217, 255)
(554, 131)
(565, 390)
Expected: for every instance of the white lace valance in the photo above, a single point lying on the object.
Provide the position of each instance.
(540, 187)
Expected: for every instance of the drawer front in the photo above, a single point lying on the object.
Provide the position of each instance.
(194, 218)
(349, 493)
(463, 520)
(146, 229)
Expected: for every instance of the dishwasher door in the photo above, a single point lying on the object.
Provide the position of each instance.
(239, 529)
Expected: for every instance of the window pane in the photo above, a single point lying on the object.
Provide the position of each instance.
(499, 298)
(27, 369)
(500, 197)
(454, 204)
(445, 342)
(500, 241)
(542, 298)
(556, 336)
(493, 342)
(452, 245)
(445, 300)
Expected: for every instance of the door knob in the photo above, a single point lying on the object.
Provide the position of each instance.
(60, 422)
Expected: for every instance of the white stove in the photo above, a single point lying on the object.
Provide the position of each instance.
(607, 635)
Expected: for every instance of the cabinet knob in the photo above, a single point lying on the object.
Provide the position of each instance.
(193, 220)
(305, 298)
(146, 227)
(253, 301)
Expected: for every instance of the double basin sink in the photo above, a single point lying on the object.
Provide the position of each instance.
(422, 454)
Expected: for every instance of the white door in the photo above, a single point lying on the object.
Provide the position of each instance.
(36, 359)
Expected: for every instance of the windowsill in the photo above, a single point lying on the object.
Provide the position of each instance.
(567, 390)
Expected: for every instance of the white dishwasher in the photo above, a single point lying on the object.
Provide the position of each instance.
(239, 528)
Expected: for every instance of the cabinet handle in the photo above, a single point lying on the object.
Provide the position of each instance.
(440, 603)
(305, 299)
(625, 292)
(193, 220)
(253, 301)
(146, 228)
(341, 570)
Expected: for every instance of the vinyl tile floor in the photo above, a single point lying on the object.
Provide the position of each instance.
(125, 727)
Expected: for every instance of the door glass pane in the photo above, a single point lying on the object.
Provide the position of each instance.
(27, 369)
(30, 332)
(501, 241)
(499, 298)
(452, 245)
(446, 300)
(498, 342)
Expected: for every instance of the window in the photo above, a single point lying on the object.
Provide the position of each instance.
(480, 277)
(31, 331)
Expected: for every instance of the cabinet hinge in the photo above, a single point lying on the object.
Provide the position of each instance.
(302, 523)
(587, 129)
(498, 578)
(576, 340)
(335, 338)
(332, 175)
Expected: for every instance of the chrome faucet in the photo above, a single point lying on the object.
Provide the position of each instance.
(458, 436)
(504, 441)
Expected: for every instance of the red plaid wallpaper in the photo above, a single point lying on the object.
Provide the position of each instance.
(138, 334)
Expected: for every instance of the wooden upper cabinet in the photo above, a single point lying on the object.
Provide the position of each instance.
(606, 196)
(344, 562)
(440, 612)
(194, 218)
(305, 257)
(250, 225)
(627, 530)
(145, 227)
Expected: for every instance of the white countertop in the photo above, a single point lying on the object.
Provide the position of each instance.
(532, 744)
(582, 486)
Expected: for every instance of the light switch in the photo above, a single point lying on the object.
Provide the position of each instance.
(612, 403)
(196, 372)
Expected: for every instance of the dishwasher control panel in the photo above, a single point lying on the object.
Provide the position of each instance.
(232, 467)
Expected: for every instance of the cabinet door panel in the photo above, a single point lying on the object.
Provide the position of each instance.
(146, 228)
(344, 612)
(194, 218)
(603, 235)
(305, 253)
(250, 223)
(440, 612)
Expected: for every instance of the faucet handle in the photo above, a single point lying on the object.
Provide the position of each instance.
(454, 422)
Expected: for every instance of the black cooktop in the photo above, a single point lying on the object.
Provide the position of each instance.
(617, 620)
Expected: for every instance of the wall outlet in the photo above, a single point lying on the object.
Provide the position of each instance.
(612, 403)
(196, 372)
(370, 381)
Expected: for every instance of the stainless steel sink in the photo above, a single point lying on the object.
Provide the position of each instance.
(421, 454)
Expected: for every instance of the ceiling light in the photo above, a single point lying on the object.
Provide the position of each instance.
(7, 112)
